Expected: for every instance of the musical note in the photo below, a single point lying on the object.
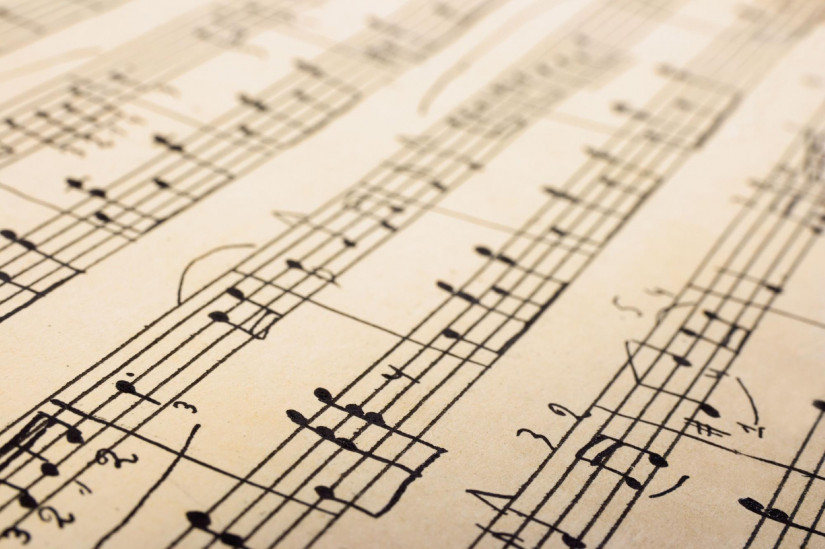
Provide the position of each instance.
(30, 246)
(318, 272)
(24, 498)
(398, 374)
(600, 458)
(128, 388)
(264, 317)
(485, 245)
(369, 420)
(201, 521)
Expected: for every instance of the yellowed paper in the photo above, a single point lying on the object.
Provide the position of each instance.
(412, 273)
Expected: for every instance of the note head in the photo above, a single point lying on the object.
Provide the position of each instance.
(236, 293)
(232, 540)
(296, 417)
(657, 460)
(374, 418)
(572, 542)
(506, 259)
(778, 515)
(219, 316)
(709, 410)
(681, 361)
(49, 469)
(354, 410)
(751, 505)
(74, 436)
(444, 286)
(633, 483)
(125, 387)
(26, 501)
(198, 519)
(346, 444)
(100, 216)
(323, 395)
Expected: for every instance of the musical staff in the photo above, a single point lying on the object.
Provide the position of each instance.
(275, 280)
(654, 401)
(411, 352)
(187, 170)
(23, 22)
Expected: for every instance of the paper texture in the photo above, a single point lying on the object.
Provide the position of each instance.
(412, 273)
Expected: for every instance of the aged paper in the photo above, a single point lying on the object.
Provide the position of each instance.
(412, 273)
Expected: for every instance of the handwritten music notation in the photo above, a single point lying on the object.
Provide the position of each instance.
(78, 111)
(664, 390)
(576, 301)
(23, 22)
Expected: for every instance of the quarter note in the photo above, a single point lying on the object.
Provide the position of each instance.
(600, 459)
(202, 521)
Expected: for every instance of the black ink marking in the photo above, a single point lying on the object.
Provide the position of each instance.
(83, 488)
(151, 490)
(563, 411)
(202, 257)
(129, 388)
(185, 406)
(600, 459)
(102, 458)
(706, 428)
(317, 272)
(481, 496)
(625, 308)
(18, 533)
(398, 374)
(48, 513)
(750, 399)
(776, 515)
(201, 521)
(536, 436)
(672, 488)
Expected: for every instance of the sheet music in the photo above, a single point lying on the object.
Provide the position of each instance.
(412, 273)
